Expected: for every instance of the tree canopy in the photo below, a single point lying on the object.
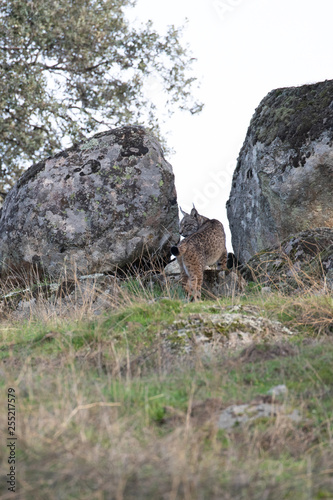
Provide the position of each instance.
(68, 67)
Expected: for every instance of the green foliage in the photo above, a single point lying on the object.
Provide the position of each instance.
(66, 68)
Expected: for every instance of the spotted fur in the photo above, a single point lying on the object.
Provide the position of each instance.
(203, 245)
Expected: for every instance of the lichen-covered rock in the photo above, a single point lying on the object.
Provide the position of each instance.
(283, 182)
(302, 260)
(233, 328)
(97, 206)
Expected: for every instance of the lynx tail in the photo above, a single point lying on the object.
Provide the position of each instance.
(175, 251)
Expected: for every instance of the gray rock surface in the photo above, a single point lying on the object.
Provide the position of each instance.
(283, 182)
(99, 205)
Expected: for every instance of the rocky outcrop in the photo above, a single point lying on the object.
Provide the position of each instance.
(283, 182)
(97, 206)
(301, 261)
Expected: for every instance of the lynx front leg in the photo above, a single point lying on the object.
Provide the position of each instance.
(183, 273)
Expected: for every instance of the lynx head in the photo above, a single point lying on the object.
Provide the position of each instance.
(191, 222)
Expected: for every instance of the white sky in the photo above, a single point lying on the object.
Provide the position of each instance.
(245, 48)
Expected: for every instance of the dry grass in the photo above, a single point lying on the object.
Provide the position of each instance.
(86, 435)
(102, 416)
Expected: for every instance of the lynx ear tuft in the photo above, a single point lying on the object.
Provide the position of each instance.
(194, 212)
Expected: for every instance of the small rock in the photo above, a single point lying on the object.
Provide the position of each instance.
(241, 414)
(26, 305)
(278, 390)
(172, 269)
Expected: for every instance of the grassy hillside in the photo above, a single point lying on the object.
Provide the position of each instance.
(112, 407)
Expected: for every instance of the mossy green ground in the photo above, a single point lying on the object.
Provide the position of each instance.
(101, 414)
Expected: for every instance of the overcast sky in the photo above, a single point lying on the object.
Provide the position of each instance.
(244, 49)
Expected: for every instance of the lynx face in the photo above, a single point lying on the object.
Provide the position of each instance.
(190, 222)
(203, 246)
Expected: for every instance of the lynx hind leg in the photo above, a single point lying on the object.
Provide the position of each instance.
(183, 278)
(194, 284)
(222, 262)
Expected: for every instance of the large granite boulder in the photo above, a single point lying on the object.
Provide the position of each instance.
(95, 207)
(283, 182)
